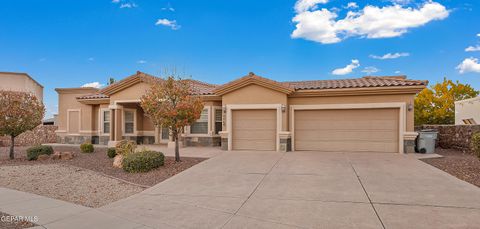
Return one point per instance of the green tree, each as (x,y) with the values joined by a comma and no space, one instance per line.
(436,105)
(169,103)
(19,112)
(111,81)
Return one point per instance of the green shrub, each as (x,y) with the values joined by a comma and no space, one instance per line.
(35,151)
(476,144)
(125,147)
(87,147)
(143,161)
(111,152)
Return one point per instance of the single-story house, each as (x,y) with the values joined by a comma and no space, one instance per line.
(373,114)
(467,111)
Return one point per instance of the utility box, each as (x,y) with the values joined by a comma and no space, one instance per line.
(426,141)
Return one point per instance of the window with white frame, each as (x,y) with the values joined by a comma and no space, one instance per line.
(106,121)
(218,120)
(129,121)
(201,125)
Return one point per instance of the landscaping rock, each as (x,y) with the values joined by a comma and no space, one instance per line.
(56,155)
(67,155)
(43,157)
(118,161)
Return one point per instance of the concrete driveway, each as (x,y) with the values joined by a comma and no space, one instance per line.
(306,190)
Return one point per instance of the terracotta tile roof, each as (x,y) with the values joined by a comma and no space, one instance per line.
(201,88)
(94,96)
(367,81)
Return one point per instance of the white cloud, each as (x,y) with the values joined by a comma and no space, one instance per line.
(473,48)
(141,62)
(169,9)
(128,5)
(305,5)
(93,84)
(169,23)
(469,65)
(352,5)
(115,1)
(323,25)
(369,70)
(390,56)
(478,35)
(398,72)
(347,69)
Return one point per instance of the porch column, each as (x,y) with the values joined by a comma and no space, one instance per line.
(118,123)
(115,124)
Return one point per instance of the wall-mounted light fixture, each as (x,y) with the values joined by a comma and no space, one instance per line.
(224,109)
(410,107)
(284,108)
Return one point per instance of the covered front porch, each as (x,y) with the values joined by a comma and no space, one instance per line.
(127,120)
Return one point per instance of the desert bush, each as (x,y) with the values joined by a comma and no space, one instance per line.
(476,144)
(143,161)
(87,147)
(125,147)
(35,151)
(111,152)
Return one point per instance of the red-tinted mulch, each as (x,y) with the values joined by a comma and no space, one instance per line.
(462,165)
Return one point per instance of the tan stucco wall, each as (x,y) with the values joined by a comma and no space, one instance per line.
(20,82)
(67,100)
(255,94)
(467,109)
(406,98)
(135,92)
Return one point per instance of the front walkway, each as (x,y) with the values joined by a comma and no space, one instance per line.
(293,190)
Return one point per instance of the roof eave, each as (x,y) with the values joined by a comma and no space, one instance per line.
(359,91)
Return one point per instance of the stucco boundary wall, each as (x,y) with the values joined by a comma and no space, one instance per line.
(40,135)
(454,136)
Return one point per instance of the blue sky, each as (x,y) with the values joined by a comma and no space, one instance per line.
(71,43)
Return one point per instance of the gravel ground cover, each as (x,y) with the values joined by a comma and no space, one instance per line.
(462,165)
(65,182)
(88,179)
(99,162)
(5,223)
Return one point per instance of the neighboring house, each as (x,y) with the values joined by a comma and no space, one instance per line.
(16,81)
(467,112)
(372,114)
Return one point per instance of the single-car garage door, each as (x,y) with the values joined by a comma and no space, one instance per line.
(350,130)
(254,129)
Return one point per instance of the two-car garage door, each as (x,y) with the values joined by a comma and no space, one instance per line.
(347,130)
(330,130)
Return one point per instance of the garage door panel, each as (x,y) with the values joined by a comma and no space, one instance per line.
(347,125)
(340,146)
(255,134)
(255,124)
(254,129)
(348,130)
(359,135)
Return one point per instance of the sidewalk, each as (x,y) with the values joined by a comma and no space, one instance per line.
(52,213)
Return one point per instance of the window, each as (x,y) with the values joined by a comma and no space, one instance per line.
(469,121)
(165,133)
(218,120)
(201,125)
(106,122)
(129,119)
